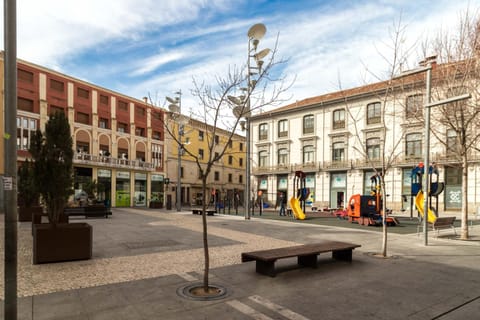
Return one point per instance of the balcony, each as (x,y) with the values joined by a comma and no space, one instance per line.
(337,165)
(109,162)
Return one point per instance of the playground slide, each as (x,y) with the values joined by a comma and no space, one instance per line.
(420,203)
(297,210)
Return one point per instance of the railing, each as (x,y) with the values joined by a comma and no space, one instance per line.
(85,158)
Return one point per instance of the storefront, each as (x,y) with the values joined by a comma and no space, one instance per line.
(338,189)
(122,189)
(140,197)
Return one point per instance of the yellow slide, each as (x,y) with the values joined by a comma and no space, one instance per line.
(420,203)
(297,210)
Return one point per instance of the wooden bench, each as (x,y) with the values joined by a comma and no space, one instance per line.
(88,211)
(208,212)
(306,255)
(439,224)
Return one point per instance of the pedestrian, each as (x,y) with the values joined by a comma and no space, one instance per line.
(282,205)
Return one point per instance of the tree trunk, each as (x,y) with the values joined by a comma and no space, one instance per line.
(384,212)
(464,226)
(205,236)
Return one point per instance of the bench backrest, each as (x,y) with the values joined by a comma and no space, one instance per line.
(443,221)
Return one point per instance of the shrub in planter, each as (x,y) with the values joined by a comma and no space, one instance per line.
(52,153)
(27,193)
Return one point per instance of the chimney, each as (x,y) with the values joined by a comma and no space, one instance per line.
(431,59)
(145,99)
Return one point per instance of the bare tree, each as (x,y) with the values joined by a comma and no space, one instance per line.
(219,112)
(458,126)
(387,115)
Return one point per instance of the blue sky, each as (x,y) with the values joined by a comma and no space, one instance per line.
(141,47)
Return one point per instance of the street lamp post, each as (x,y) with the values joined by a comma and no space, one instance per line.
(427,105)
(176,108)
(243,108)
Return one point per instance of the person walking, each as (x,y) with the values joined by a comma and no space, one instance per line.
(282,204)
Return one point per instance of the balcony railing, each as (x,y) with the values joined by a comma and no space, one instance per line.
(104,161)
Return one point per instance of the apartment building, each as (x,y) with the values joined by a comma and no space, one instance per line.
(328,137)
(118,140)
(226,182)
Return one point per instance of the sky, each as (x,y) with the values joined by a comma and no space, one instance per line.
(150,47)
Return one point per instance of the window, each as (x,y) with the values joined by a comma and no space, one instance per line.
(413,148)
(374,113)
(200,135)
(57,85)
(26,127)
(181,172)
(282,128)
(83,147)
(55,109)
(157,155)
(217,139)
(122,127)
(263,131)
(217,175)
(308,154)
(230,177)
(414,106)
(103,123)
(104,99)
(282,156)
(451,141)
(83,93)
(139,111)
(25,104)
(140,132)
(217,156)
(338,151)
(262,158)
(200,154)
(240,178)
(230,160)
(240,162)
(83,118)
(339,119)
(122,105)
(156,135)
(373,148)
(25,76)
(308,124)
(230,144)
(241,146)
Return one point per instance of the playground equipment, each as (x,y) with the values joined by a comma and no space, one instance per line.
(367,209)
(302,194)
(436,188)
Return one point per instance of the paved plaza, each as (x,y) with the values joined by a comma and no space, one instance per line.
(142,257)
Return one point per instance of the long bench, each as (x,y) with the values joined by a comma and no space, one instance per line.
(208,212)
(306,255)
(88,211)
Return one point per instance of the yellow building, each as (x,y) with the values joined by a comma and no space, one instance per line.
(227,178)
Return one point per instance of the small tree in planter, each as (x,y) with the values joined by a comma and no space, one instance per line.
(53,172)
(27,193)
